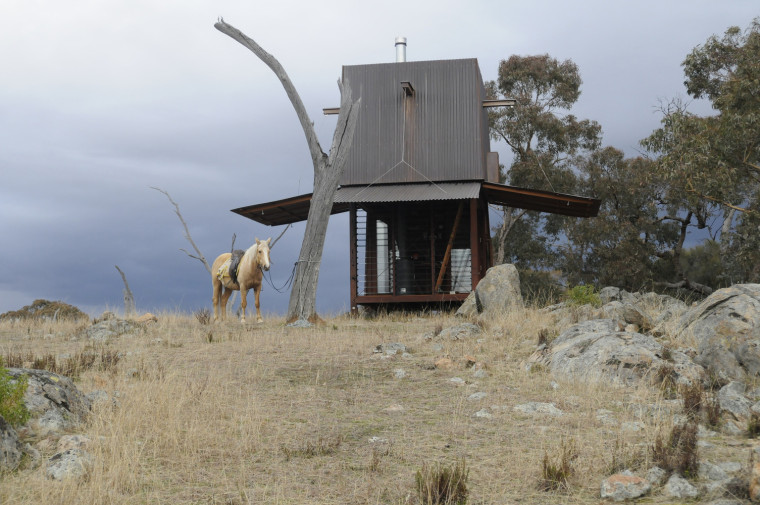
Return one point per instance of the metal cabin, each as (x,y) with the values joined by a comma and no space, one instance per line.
(417,184)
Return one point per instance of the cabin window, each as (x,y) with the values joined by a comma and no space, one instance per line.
(413,248)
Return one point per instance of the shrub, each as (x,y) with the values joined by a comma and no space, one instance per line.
(12,407)
(441,485)
(583,295)
(203,316)
(679,452)
(46,310)
(712,410)
(555,476)
(692,400)
(753,426)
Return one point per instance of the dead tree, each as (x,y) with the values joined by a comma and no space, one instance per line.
(129,300)
(327,172)
(200,256)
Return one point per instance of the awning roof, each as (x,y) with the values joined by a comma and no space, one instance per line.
(542,201)
(294,209)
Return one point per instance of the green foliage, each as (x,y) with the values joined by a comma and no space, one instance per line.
(442,485)
(583,295)
(540,288)
(45,309)
(12,406)
(704,264)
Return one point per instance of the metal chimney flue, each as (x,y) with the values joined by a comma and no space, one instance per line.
(400,49)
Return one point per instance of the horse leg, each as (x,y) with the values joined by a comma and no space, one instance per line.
(256,293)
(215,298)
(225,296)
(243,303)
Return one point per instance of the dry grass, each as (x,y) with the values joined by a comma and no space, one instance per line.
(233,414)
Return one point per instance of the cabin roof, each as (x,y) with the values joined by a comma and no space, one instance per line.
(295,209)
(418,121)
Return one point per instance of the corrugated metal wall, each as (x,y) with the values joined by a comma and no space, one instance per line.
(439,134)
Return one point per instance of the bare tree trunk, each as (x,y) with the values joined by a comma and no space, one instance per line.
(510,217)
(129,300)
(327,173)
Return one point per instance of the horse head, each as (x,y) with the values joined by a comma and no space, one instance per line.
(262,253)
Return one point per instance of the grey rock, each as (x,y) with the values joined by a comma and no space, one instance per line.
(589,351)
(719,362)
(477,396)
(70,464)
(712,472)
(11,449)
(538,409)
(460,332)
(483,414)
(728,318)
(609,294)
(399,373)
(678,487)
(731,399)
(53,400)
(390,348)
(97,396)
(300,323)
(656,476)
(586,327)
(111,328)
(624,486)
(627,313)
(496,293)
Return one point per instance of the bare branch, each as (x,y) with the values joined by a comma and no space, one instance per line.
(277,68)
(280,236)
(200,256)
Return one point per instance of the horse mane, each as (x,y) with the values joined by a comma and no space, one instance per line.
(250,254)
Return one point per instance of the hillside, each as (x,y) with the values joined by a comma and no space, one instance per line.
(185,412)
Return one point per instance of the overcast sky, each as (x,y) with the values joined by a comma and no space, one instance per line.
(99,101)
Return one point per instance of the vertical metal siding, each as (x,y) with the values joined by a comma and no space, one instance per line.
(444,134)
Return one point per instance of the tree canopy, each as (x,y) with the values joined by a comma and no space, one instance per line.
(699,173)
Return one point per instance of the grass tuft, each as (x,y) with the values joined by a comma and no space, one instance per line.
(442,485)
(555,475)
(678,453)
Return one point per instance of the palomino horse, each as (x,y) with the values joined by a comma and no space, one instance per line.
(250,273)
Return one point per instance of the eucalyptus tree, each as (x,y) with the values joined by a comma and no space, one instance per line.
(712,163)
(544,139)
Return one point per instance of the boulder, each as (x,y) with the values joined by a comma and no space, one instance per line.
(609,294)
(627,313)
(678,487)
(624,486)
(53,400)
(70,464)
(594,351)
(496,293)
(459,332)
(732,399)
(111,328)
(729,319)
(11,448)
